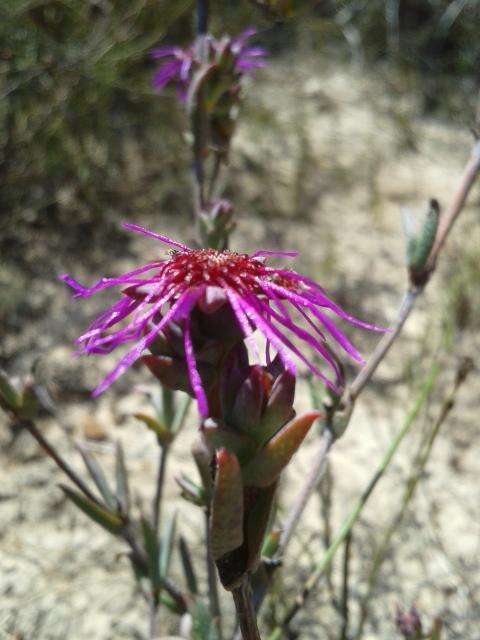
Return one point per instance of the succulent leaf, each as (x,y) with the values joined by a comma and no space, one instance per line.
(267,465)
(165,437)
(96,512)
(226,524)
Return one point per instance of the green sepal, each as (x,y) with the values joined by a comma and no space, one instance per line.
(226,522)
(268,464)
(96,512)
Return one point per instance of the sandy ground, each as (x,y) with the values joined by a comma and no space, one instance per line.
(327,170)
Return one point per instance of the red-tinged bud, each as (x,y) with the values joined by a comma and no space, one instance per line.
(249,404)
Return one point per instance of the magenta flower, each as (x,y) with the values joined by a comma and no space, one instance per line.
(275,302)
(179,64)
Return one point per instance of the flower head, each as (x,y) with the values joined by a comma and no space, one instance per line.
(291,311)
(409,623)
(178,65)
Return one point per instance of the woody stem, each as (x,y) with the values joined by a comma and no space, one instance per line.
(247,618)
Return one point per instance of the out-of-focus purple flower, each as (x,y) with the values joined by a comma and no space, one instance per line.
(290,310)
(178,65)
(409,623)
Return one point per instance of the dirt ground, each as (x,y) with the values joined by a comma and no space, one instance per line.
(326,171)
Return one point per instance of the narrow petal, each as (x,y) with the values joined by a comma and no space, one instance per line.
(278,338)
(166,73)
(289,324)
(104,283)
(268,331)
(276,254)
(181,307)
(243,321)
(193,374)
(146,232)
(162,52)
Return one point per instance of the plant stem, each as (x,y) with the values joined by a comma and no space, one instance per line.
(57,458)
(203,13)
(313,478)
(410,488)
(383,346)
(127,534)
(247,619)
(467,181)
(351,519)
(448,219)
(214,600)
(344,608)
(157,501)
(153,619)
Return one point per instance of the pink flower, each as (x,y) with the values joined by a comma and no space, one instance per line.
(282,305)
(179,64)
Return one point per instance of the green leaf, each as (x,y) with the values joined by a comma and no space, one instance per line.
(270,545)
(191,491)
(99,514)
(426,238)
(29,402)
(268,464)
(220,436)
(8,393)
(121,474)
(181,411)
(226,524)
(167,407)
(165,437)
(166,547)
(96,472)
(257,520)
(171,604)
(204,626)
(151,547)
(187,566)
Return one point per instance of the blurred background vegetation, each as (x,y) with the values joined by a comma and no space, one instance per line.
(83,138)
(76,103)
(86,143)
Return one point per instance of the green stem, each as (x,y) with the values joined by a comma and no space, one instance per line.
(157,501)
(410,488)
(351,519)
(345,611)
